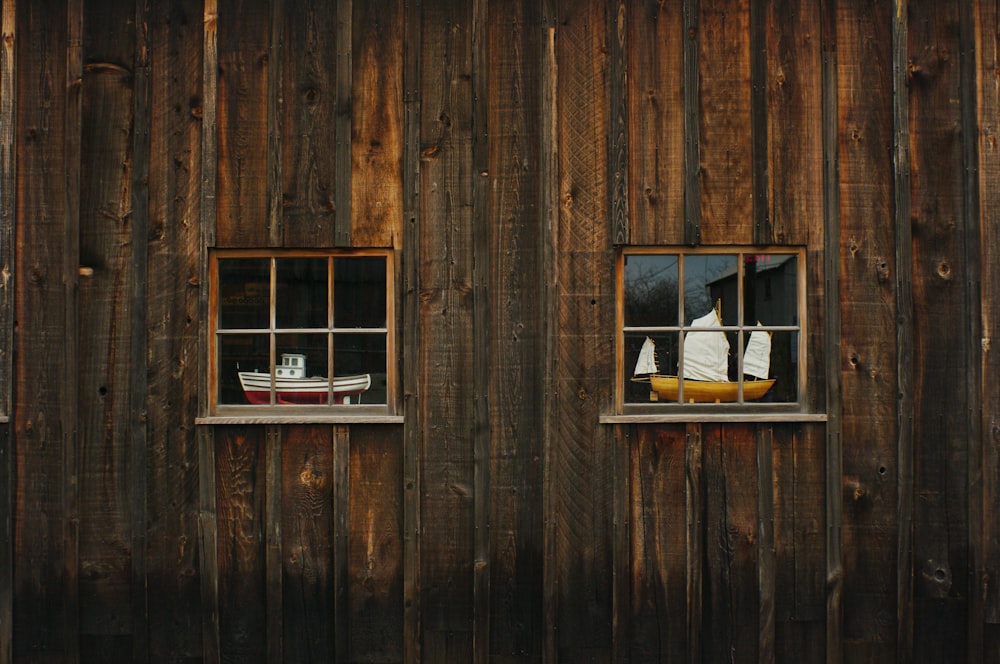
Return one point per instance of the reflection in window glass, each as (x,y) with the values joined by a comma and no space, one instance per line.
(244,293)
(739,340)
(359,292)
(301,297)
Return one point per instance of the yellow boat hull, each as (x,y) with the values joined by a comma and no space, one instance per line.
(698,391)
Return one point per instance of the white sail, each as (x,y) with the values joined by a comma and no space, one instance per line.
(757,358)
(647,358)
(706,353)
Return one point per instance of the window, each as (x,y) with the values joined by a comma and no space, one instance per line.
(310,329)
(730,320)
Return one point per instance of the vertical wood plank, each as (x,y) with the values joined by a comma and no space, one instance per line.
(342,121)
(584,307)
(274,551)
(446,319)
(732,600)
(172,465)
(618,129)
(107,264)
(311,528)
(902,205)
(654,62)
(242,78)
(763,232)
(275,94)
(241,489)
(692,123)
(695,510)
(377,123)
(657,506)
(411,362)
(481,364)
(832,352)
(868,331)
(309,126)
(375,545)
(941,572)
(766,557)
(137,442)
(516,319)
(724,88)
(341,532)
(8,187)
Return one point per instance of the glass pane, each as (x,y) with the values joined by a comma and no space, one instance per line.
(770,286)
(664,346)
(301,371)
(710,280)
(359,292)
(244,291)
(301,300)
(650,290)
(357,355)
(784,367)
(244,353)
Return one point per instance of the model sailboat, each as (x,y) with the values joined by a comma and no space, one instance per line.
(706,366)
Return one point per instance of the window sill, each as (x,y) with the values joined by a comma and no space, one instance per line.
(293,415)
(694,416)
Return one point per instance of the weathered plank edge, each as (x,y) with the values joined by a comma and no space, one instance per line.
(904,332)
(621,559)
(692,108)
(275,104)
(341,510)
(8,175)
(342,126)
(969,91)
(411,318)
(138,342)
(481,266)
(762,226)
(272,545)
(831,334)
(618,124)
(71,278)
(207,525)
(695,535)
(766,557)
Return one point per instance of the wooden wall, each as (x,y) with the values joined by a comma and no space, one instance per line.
(504,149)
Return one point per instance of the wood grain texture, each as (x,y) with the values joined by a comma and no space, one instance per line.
(308,515)
(39,548)
(308,123)
(657,509)
(515,354)
(988,53)
(654,64)
(105,294)
(732,597)
(8,188)
(582,353)
(724,102)
(240,485)
(868,311)
(446,321)
(377,124)
(242,175)
(172,569)
(375,545)
(941,556)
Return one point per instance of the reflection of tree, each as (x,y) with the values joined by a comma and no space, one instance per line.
(650,298)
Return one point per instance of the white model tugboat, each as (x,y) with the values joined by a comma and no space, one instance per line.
(293,387)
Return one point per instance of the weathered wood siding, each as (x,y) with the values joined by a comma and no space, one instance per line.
(504,149)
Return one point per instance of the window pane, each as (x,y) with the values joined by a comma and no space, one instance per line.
(301,369)
(244,291)
(650,290)
(247,353)
(301,300)
(708,280)
(359,292)
(784,367)
(770,287)
(360,354)
(665,355)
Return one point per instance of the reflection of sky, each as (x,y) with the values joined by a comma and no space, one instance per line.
(699,271)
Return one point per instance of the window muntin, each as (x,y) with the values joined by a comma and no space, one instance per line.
(663,291)
(310,329)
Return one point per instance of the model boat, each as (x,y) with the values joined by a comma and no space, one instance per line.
(706,366)
(293,387)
